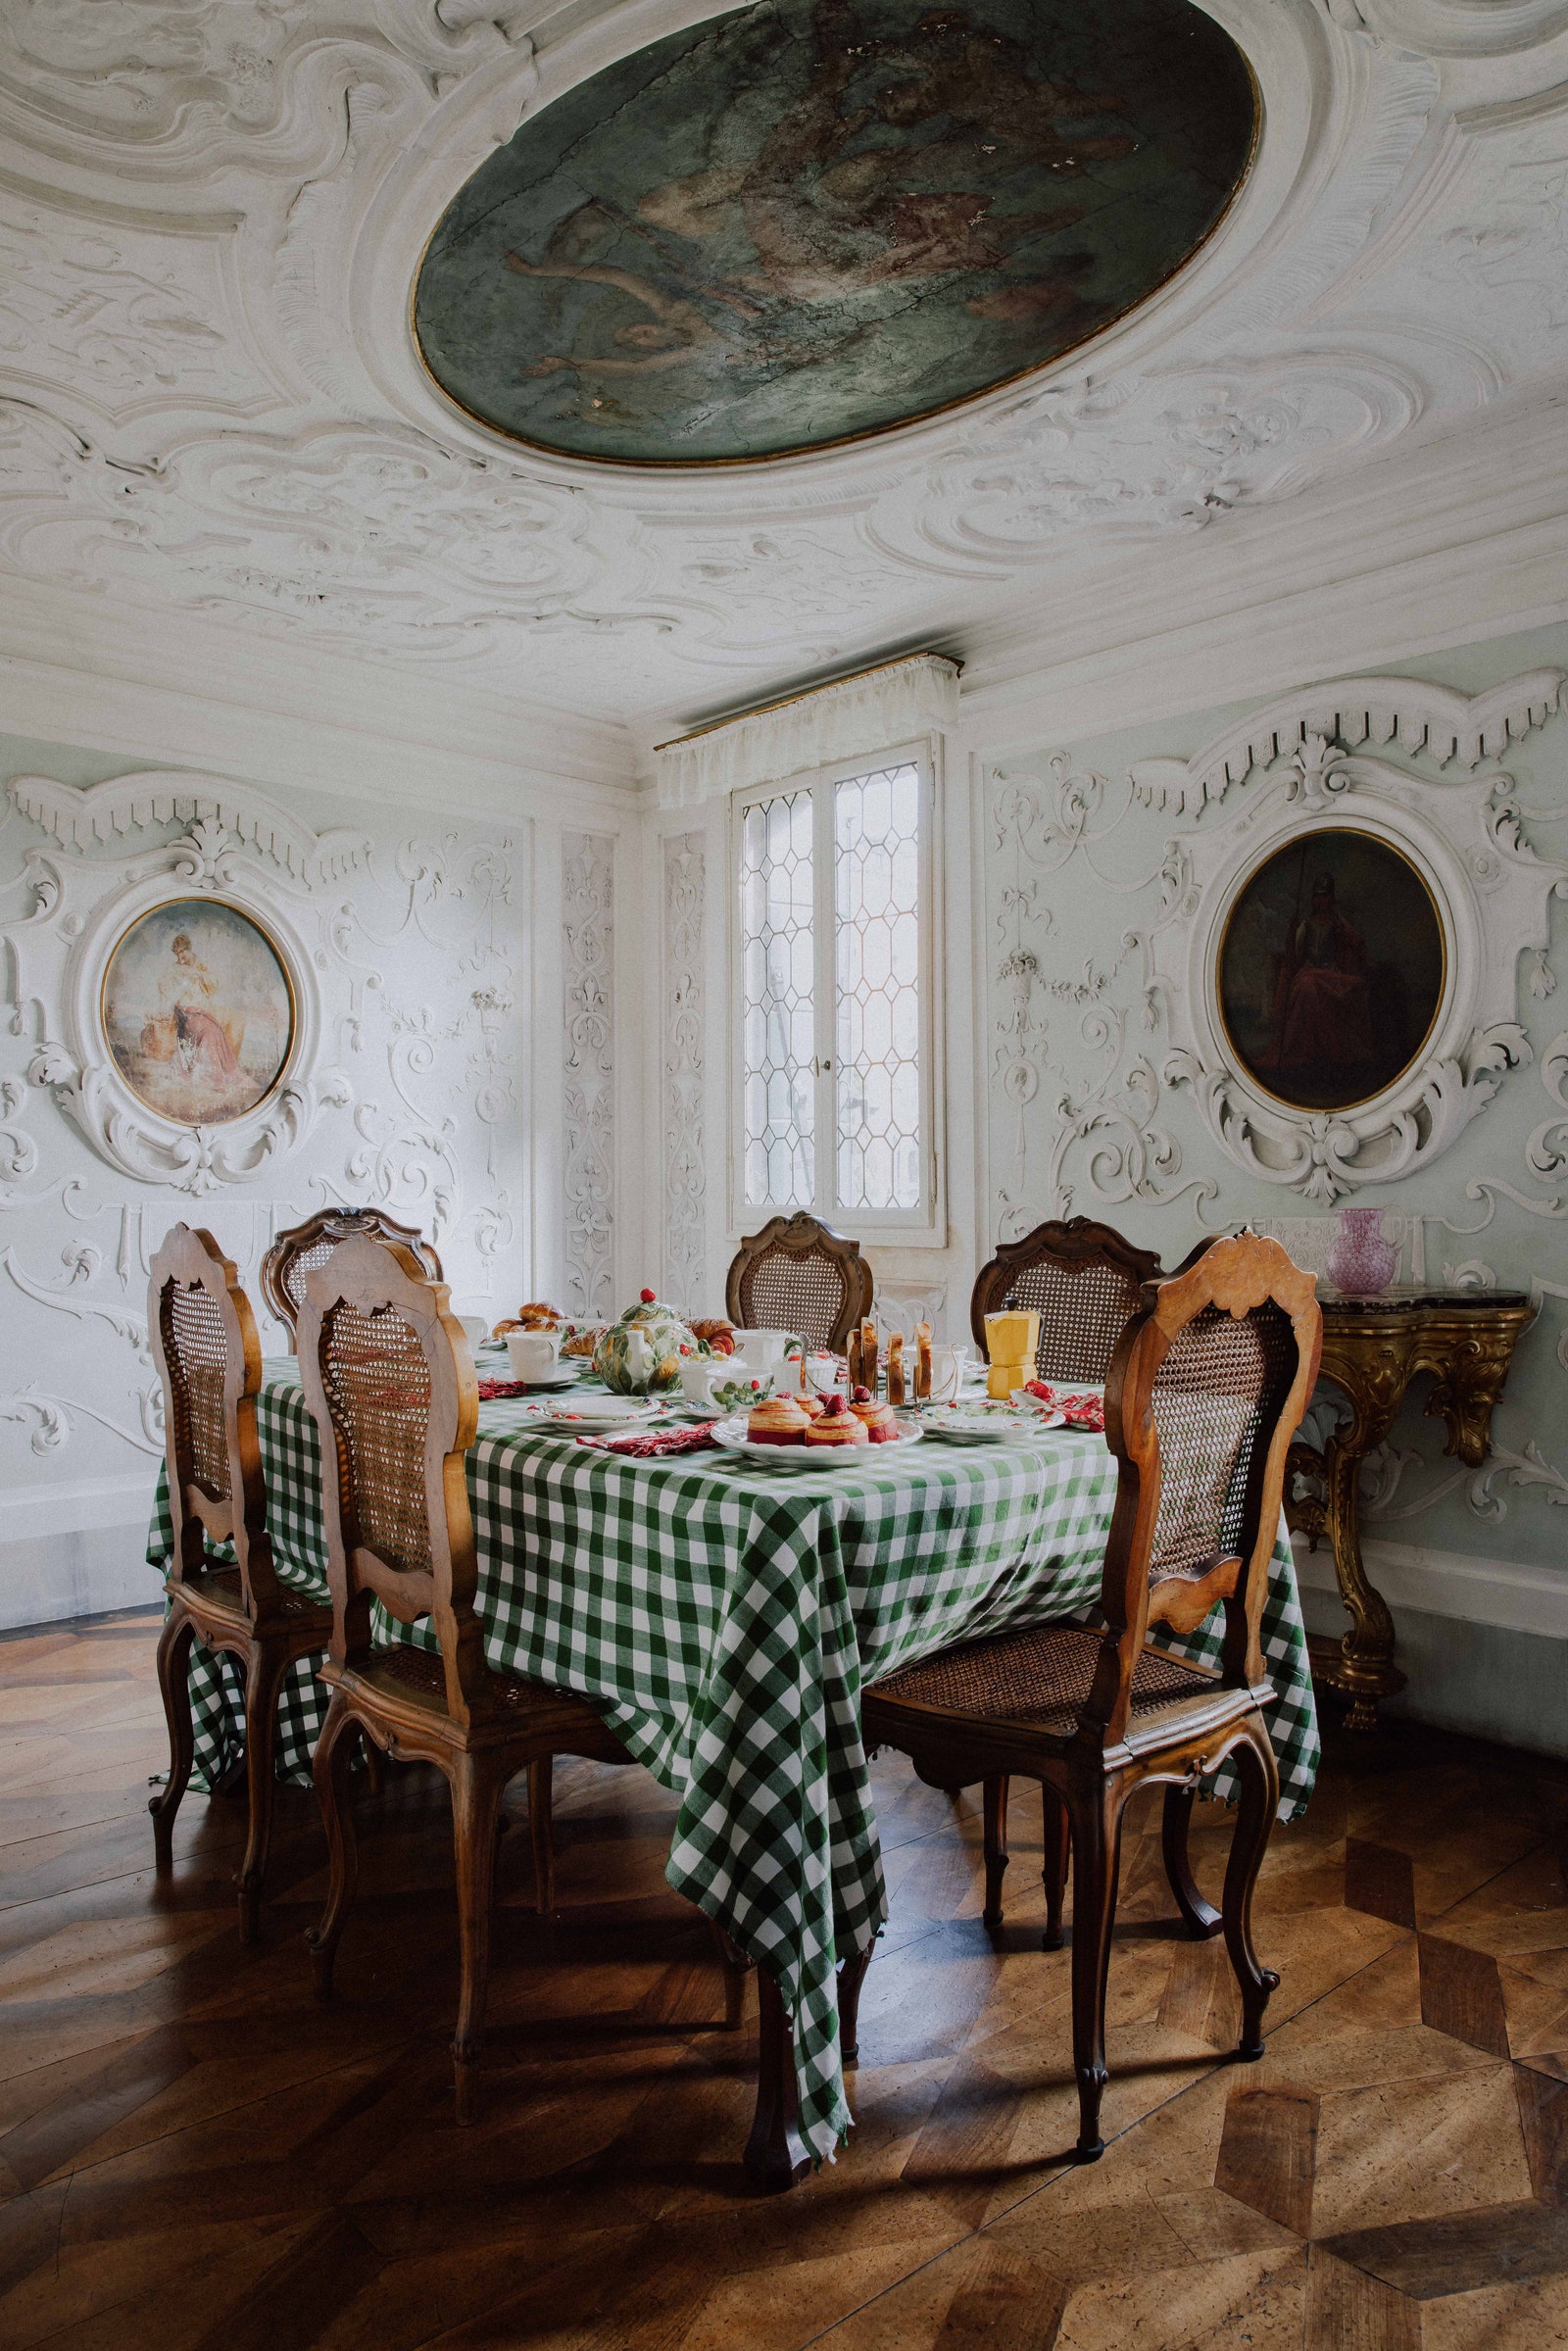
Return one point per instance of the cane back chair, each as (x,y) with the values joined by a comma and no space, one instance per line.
(210,1361)
(1081,1278)
(797,1274)
(1206,1388)
(390,1381)
(297,1252)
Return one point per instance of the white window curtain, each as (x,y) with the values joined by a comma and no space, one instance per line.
(854,717)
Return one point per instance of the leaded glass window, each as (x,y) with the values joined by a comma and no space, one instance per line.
(834,1081)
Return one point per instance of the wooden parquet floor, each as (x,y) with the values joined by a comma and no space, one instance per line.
(193,2157)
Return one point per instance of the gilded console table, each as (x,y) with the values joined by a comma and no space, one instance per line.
(1373,1348)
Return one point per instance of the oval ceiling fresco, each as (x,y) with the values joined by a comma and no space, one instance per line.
(812,220)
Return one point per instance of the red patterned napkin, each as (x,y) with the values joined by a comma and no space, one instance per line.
(654,1445)
(491,1390)
(1079,1411)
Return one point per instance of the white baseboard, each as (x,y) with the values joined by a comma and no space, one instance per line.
(75,1550)
(1506,1593)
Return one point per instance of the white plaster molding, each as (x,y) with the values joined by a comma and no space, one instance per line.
(852,717)
(214,216)
(240,850)
(100,815)
(1493,893)
(1439,722)
(588,1098)
(1453,28)
(685,954)
(1475,1590)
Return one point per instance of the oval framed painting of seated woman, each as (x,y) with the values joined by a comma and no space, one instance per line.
(1332,968)
(198,1012)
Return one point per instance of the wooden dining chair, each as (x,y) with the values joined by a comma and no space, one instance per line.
(1083,1279)
(390,1381)
(797,1274)
(1206,1388)
(208,1359)
(297,1252)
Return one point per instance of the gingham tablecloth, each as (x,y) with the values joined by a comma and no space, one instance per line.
(728,1617)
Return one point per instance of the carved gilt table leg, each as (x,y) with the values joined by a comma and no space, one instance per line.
(1371,1358)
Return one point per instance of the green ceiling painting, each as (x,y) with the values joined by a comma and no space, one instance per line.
(812,220)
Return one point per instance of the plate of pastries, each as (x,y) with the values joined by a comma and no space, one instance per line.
(813,1432)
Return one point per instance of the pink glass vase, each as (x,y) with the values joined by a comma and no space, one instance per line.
(1362,1262)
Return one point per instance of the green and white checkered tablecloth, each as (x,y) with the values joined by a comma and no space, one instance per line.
(728,1617)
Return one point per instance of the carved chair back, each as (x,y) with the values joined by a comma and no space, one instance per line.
(1206,1389)
(208,1359)
(1081,1278)
(797,1274)
(295,1253)
(390,1378)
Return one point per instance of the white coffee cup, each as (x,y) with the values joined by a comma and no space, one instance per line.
(766,1350)
(946,1373)
(475,1328)
(533,1355)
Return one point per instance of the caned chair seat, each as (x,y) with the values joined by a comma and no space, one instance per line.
(401,1673)
(1037,1681)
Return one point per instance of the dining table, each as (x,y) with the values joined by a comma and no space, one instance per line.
(725,1616)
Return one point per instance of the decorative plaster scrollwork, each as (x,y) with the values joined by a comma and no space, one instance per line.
(685,1179)
(587,936)
(1320,724)
(1493,893)
(244,850)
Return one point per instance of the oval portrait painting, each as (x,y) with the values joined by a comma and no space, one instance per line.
(198,1012)
(1331,970)
(806,220)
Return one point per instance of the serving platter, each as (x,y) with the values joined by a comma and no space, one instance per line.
(730,1436)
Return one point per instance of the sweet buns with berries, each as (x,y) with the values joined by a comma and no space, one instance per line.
(837,1426)
(878,1419)
(778,1420)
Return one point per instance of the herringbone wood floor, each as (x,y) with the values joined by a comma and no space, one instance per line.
(194,2158)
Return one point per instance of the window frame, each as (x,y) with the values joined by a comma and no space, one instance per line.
(925,1224)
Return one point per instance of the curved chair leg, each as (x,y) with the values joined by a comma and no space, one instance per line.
(1096,1868)
(174,1680)
(334,1753)
(1057,1851)
(996,1835)
(541,1832)
(374,1768)
(1199,1917)
(477,1784)
(1254,1823)
(265,1669)
(851,1976)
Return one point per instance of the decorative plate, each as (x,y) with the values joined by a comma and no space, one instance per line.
(988,1421)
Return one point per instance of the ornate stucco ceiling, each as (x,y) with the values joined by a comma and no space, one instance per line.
(211,214)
